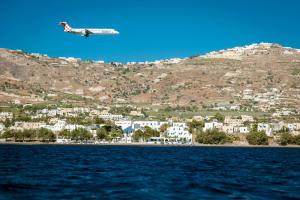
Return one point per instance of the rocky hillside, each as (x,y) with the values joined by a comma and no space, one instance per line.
(259,74)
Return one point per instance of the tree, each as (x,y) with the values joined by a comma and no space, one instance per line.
(297,139)
(7,134)
(22,117)
(80,134)
(8,123)
(19,135)
(286,138)
(65,134)
(219,117)
(102,133)
(29,134)
(149,132)
(82,120)
(137,135)
(163,128)
(257,138)
(213,136)
(195,125)
(84,134)
(116,133)
(144,113)
(112,130)
(98,120)
(45,134)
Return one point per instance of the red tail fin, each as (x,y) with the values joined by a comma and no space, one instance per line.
(66,26)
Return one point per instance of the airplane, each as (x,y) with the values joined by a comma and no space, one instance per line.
(87,31)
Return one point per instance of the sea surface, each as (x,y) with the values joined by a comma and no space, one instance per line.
(139,172)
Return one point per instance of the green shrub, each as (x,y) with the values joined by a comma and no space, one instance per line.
(213,136)
(80,134)
(219,117)
(137,135)
(286,138)
(195,125)
(102,134)
(257,138)
(297,139)
(146,134)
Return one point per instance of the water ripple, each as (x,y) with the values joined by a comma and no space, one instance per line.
(114,172)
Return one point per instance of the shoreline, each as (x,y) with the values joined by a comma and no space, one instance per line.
(153,145)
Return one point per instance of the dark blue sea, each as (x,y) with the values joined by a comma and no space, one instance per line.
(136,172)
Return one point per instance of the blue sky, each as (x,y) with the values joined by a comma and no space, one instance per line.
(149,30)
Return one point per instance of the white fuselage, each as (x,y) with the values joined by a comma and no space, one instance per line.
(93,31)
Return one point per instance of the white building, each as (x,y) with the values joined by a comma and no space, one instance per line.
(212,125)
(152,124)
(278,126)
(63,140)
(50,113)
(28,125)
(179,132)
(233,121)
(248,118)
(123,124)
(244,129)
(136,113)
(265,128)
(5,115)
(57,127)
(228,129)
(109,116)
(179,124)
(293,126)
(72,127)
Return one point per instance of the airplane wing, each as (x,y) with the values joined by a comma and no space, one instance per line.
(87,32)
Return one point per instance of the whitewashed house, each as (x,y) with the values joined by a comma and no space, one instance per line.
(229,129)
(52,113)
(247,118)
(123,123)
(232,121)
(179,132)
(152,124)
(72,127)
(265,128)
(57,127)
(293,126)
(28,125)
(277,126)
(179,124)
(212,125)
(244,129)
(62,140)
(109,116)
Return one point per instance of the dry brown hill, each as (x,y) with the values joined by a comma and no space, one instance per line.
(255,74)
